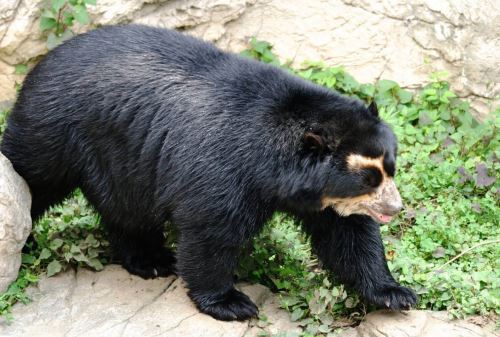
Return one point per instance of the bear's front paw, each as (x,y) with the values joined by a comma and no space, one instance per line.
(232,306)
(393,297)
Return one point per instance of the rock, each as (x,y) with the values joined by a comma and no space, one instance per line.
(114,303)
(15,221)
(348,332)
(396,39)
(399,40)
(416,324)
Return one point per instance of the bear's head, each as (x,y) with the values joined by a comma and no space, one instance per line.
(361,149)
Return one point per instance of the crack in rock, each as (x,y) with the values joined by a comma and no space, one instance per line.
(175,326)
(127,321)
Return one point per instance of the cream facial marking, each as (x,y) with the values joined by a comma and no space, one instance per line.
(346,206)
(381,204)
(356,162)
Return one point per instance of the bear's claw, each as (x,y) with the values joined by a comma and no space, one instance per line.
(393,298)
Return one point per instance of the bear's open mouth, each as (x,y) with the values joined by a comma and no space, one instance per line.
(379,217)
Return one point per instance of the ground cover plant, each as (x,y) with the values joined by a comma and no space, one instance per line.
(444,245)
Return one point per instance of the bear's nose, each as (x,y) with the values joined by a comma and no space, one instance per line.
(392,208)
(391,203)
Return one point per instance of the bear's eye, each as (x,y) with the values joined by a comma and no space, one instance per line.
(372,176)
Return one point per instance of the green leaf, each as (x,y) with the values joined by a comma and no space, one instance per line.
(95,263)
(27,259)
(306,73)
(90,2)
(350,302)
(47,23)
(55,244)
(261,46)
(386,85)
(68,34)
(367,89)
(80,258)
(57,4)
(324,328)
(53,41)
(31,277)
(91,240)
(247,53)
(45,254)
(53,268)
(330,82)
(20,69)
(68,18)
(81,14)
(335,292)
(350,82)
(297,314)
(405,96)
(75,249)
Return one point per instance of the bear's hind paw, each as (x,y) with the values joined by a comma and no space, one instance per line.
(160,264)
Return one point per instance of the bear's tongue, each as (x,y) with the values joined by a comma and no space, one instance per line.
(384,218)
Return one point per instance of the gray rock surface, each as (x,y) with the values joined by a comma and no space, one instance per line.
(15,221)
(418,324)
(394,39)
(114,303)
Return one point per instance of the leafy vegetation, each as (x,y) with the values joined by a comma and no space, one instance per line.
(59,16)
(3,121)
(444,245)
(69,235)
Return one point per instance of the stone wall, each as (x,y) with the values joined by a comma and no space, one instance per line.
(393,39)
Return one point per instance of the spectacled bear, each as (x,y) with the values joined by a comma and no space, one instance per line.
(153,125)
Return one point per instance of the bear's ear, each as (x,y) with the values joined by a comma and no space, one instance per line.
(314,140)
(373,109)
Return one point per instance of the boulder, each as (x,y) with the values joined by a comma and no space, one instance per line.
(114,303)
(15,221)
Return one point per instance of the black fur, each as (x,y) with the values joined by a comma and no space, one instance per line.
(154,125)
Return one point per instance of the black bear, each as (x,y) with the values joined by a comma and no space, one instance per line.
(153,125)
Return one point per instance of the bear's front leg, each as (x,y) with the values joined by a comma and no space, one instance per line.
(352,248)
(208,269)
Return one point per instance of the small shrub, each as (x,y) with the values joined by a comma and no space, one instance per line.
(58,18)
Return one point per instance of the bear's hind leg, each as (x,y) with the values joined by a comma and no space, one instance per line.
(141,250)
(160,263)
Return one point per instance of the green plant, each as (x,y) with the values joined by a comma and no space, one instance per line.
(59,16)
(261,50)
(69,235)
(3,121)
